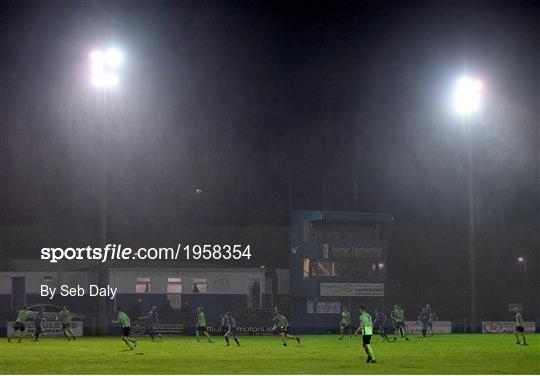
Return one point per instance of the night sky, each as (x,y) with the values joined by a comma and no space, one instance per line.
(239,98)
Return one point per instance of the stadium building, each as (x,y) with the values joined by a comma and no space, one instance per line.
(176,291)
(338,259)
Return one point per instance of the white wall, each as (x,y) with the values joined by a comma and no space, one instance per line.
(219,281)
(34,280)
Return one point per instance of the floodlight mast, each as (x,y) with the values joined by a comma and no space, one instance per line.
(467,98)
(104,65)
(523,261)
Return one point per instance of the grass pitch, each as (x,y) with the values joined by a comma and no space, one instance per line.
(317,354)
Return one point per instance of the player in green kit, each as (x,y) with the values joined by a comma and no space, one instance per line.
(201,325)
(125,321)
(283,325)
(520,327)
(345,323)
(366,327)
(19,324)
(398,315)
(65,316)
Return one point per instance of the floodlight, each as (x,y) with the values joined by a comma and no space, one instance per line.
(467,95)
(104,65)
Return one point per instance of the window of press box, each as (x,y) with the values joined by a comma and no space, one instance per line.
(200,286)
(310,268)
(143,285)
(174,285)
(349,269)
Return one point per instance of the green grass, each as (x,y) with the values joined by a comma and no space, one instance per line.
(321,354)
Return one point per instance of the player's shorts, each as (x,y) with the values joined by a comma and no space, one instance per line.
(346,326)
(19,326)
(66,325)
(366,339)
(201,329)
(283,330)
(126,330)
(520,329)
(151,328)
(379,329)
(399,324)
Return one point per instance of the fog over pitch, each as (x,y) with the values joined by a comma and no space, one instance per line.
(230,113)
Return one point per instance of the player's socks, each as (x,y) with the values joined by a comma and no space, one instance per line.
(298,339)
(237,342)
(227,340)
(371,353)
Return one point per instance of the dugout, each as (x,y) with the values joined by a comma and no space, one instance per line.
(337,259)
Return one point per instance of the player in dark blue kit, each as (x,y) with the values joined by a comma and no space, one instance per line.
(432,316)
(424,318)
(231,329)
(152,321)
(37,323)
(275,320)
(379,324)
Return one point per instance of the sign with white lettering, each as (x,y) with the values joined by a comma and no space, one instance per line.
(352,289)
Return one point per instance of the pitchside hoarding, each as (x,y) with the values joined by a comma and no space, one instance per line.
(505,326)
(441,327)
(352,289)
(244,330)
(50,328)
(323,307)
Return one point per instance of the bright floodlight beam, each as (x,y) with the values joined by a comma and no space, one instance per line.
(104,65)
(467,96)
